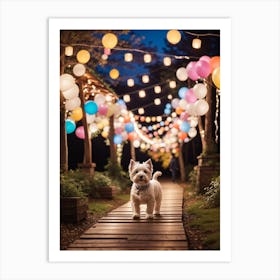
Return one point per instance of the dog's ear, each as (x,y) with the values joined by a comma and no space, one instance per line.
(131,165)
(150,164)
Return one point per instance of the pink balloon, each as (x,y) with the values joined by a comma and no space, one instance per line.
(190,96)
(107,51)
(205,58)
(203,68)
(184,116)
(191,71)
(80,132)
(102,109)
(118,130)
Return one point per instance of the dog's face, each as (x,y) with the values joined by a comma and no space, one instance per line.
(140,173)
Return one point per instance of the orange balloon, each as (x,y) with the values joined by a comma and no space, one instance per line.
(77,114)
(126,119)
(214,63)
(131,136)
(182,135)
(176,125)
(179,111)
(216,77)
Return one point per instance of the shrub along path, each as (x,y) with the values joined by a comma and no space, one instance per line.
(118,231)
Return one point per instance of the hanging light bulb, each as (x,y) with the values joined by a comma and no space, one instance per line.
(169,96)
(104,56)
(142,93)
(141,111)
(157,89)
(145,79)
(69,51)
(126,98)
(147,58)
(167,61)
(130,82)
(172,84)
(196,43)
(157,101)
(128,57)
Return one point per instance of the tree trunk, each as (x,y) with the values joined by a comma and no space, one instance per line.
(132,150)
(113,155)
(181,163)
(63,136)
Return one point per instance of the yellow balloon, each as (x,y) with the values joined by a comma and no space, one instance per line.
(83,56)
(216,77)
(114,74)
(100,125)
(104,134)
(173,36)
(77,114)
(110,111)
(109,40)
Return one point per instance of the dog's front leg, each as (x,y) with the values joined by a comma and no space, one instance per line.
(135,207)
(150,209)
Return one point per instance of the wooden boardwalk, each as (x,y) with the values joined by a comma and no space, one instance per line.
(118,231)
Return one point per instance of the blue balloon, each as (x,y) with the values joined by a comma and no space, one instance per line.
(185,126)
(150,128)
(70,126)
(118,139)
(168,106)
(167,111)
(91,107)
(121,102)
(182,92)
(129,127)
(161,123)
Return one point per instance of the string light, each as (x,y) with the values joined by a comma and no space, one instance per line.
(196,43)
(128,57)
(157,89)
(126,98)
(130,82)
(145,79)
(147,58)
(172,84)
(216,116)
(142,93)
(157,101)
(167,61)
(141,111)
(68,51)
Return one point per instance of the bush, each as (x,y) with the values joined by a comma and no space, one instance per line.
(70,187)
(212,193)
(101,180)
(192,177)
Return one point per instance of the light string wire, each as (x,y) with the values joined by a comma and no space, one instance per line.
(216,116)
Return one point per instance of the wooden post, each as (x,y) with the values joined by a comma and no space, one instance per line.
(181,163)
(113,155)
(132,150)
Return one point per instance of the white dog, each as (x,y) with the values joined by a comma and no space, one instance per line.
(145,189)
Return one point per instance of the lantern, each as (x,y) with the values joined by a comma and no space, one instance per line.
(77,114)
(67,81)
(157,89)
(172,84)
(114,74)
(147,58)
(167,61)
(128,57)
(145,79)
(173,36)
(130,82)
(142,93)
(109,40)
(79,70)
(126,98)
(83,56)
(68,51)
(196,43)
(72,92)
(141,111)
(157,101)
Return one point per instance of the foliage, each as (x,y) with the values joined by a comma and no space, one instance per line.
(101,180)
(161,156)
(192,177)
(212,193)
(70,187)
(118,176)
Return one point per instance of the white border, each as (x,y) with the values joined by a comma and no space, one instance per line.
(55,254)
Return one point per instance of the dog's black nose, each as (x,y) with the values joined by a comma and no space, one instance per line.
(141,177)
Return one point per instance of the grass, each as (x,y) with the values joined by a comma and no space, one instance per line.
(101,207)
(202,224)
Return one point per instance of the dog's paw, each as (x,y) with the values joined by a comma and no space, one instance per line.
(136,217)
(157,214)
(149,217)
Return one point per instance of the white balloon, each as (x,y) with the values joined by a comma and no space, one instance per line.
(193,121)
(192,132)
(136,143)
(201,107)
(190,109)
(79,70)
(72,92)
(66,82)
(73,103)
(90,118)
(200,91)
(175,103)
(183,104)
(99,99)
(181,74)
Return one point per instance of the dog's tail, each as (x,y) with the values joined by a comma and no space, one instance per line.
(156,174)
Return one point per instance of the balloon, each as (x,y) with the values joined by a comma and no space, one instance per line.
(99,99)
(185,126)
(114,74)
(129,127)
(167,111)
(80,132)
(192,132)
(179,110)
(191,109)
(93,128)
(102,109)
(109,40)
(118,139)
(104,134)
(90,118)
(121,102)
(201,107)
(205,58)
(193,121)
(124,135)
(184,116)
(182,135)
(173,36)
(73,103)
(107,51)
(131,136)
(67,81)
(77,114)
(190,97)
(79,70)
(181,74)
(110,111)
(83,56)
(191,71)
(183,104)
(200,91)
(118,130)
(182,92)
(216,77)
(203,68)
(168,106)
(71,92)
(214,63)
(70,126)
(175,103)
(91,107)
